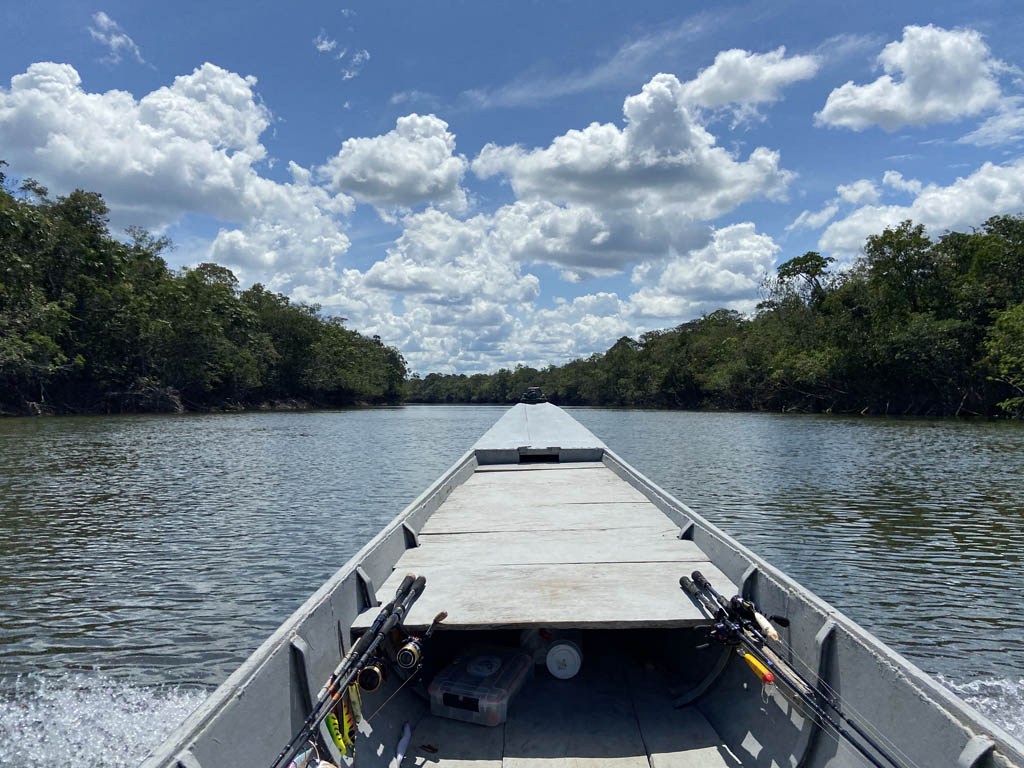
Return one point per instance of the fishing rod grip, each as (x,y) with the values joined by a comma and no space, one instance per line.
(699,580)
(411,596)
(404,586)
(363,643)
(389,625)
(687,583)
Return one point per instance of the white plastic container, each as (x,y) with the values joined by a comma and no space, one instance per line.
(564,659)
(478,686)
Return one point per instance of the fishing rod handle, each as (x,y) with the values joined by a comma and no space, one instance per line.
(699,580)
(406,603)
(407,582)
(688,584)
(704,584)
(403,589)
(414,592)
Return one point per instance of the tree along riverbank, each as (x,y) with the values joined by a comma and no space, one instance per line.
(91,325)
(916,327)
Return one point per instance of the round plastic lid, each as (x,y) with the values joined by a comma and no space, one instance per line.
(564,659)
(484,666)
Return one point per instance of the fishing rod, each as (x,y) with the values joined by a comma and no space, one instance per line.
(390,616)
(737,622)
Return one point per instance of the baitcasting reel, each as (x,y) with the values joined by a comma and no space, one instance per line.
(372,676)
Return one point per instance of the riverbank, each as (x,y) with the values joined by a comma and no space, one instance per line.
(172,403)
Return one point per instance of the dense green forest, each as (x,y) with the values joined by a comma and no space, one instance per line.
(916,327)
(90,324)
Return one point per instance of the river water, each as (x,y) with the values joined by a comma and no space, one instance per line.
(142,558)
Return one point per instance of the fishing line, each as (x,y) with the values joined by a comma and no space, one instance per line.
(389,698)
(821,717)
(838,703)
(735,625)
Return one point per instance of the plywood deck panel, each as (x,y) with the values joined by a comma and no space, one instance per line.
(540,466)
(457,745)
(571,486)
(578,547)
(524,515)
(568,479)
(538,547)
(586,595)
(675,738)
(586,722)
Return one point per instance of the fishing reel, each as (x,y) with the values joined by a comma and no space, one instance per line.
(410,654)
(725,632)
(372,676)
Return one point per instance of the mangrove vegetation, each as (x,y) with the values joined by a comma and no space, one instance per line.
(88,323)
(916,327)
(91,324)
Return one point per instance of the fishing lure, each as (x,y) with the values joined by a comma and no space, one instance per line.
(355,701)
(348,724)
(335,731)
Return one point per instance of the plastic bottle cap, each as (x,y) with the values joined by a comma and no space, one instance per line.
(564,659)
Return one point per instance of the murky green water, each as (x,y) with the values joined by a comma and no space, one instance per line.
(141,553)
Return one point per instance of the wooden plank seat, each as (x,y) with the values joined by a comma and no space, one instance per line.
(578,548)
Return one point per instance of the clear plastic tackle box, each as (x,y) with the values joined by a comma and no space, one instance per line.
(478,686)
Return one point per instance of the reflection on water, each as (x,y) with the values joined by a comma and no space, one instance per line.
(163,549)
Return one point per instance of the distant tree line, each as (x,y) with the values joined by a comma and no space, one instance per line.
(91,324)
(916,327)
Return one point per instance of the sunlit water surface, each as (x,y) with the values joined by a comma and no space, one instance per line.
(143,558)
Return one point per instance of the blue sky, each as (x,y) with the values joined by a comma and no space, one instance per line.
(486,184)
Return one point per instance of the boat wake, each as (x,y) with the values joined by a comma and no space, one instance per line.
(95,721)
(86,719)
(1000,700)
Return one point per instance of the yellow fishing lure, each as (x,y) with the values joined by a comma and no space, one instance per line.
(335,731)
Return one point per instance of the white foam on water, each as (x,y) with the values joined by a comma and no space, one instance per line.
(86,719)
(1000,700)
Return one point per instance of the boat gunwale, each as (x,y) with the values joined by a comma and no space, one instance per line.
(191,728)
(966,715)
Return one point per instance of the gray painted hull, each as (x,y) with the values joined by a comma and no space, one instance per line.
(247,720)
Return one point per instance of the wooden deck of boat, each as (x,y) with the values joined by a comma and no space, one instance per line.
(550,545)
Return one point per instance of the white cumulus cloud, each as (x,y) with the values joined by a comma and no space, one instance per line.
(1006,126)
(894,180)
(814,219)
(932,75)
(989,191)
(599,197)
(411,165)
(192,146)
(742,77)
(858,192)
(724,273)
(354,65)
